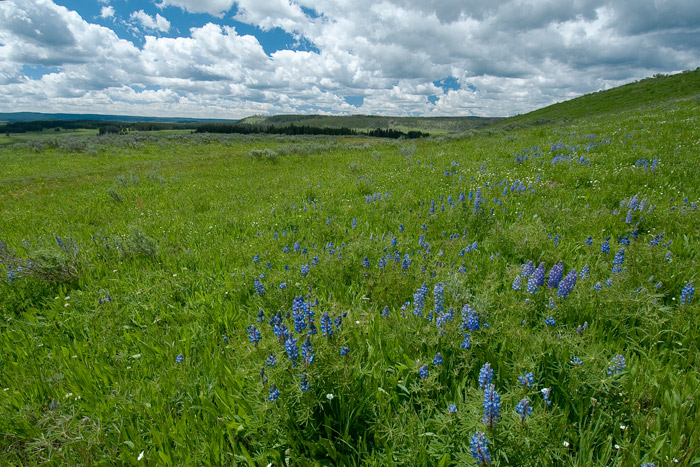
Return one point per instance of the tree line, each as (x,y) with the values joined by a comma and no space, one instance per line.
(103,126)
(247,129)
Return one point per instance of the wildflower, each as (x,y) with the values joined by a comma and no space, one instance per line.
(271,360)
(609,282)
(555,275)
(263,378)
(580,329)
(545,394)
(617,365)
(253,334)
(344,350)
(527,269)
(261,316)
(477,201)
(485,375)
(439,294)
(467,343)
(179,358)
(532,284)
(585,271)
(274,393)
(492,406)
(326,325)
(576,361)
(259,287)
(452,408)
(385,311)
(365,262)
(305,386)
(687,293)
(283,285)
(567,284)
(479,448)
(470,319)
(256,258)
(528,379)
(290,346)
(605,247)
(517,283)
(307,351)
(589,240)
(329,396)
(423,371)
(618,261)
(418,300)
(538,275)
(304,269)
(524,408)
(438,359)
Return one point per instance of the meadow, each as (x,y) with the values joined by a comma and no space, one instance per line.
(521,294)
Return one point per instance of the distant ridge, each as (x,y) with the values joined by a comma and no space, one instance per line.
(38,116)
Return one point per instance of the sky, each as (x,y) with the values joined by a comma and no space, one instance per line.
(235,58)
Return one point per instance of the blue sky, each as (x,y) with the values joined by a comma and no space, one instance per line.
(233,58)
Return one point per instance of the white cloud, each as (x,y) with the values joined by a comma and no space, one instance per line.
(107,12)
(213,7)
(157,23)
(516,54)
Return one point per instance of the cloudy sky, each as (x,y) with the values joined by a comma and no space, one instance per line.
(233,58)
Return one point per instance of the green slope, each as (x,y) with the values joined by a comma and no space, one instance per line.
(649,92)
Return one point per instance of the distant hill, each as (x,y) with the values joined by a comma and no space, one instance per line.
(371,122)
(649,92)
(37,116)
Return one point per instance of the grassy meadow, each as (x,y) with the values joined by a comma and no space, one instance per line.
(197,299)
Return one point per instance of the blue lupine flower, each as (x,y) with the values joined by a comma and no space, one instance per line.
(485,375)
(470,319)
(618,261)
(609,282)
(439,294)
(354,223)
(261,316)
(538,275)
(580,329)
(297,247)
(385,311)
(545,394)
(585,271)
(263,378)
(527,269)
(467,343)
(271,360)
(305,386)
(253,334)
(338,321)
(438,359)
(259,287)
(576,361)
(617,365)
(555,275)
(344,351)
(418,299)
(307,351)
(597,286)
(589,240)
(648,464)
(256,258)
(687,293)
(532,284)
(423,371)
(567,284)
(524,408)
(365,262)
(628,218)
(605,247)
(479,448)
(517,283)
(452,408)
(477,201)
(528,379)
(290,346)
(274,393)
(283,285)
(179,358)
(492,406)
(304,269)
(326,325)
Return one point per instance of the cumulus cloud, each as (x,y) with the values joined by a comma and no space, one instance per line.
(157,23)
(503,56)
(107,12)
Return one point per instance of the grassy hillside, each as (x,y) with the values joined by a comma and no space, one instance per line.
(200,299)
(647,93)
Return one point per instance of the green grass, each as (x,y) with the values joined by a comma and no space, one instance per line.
(139,248)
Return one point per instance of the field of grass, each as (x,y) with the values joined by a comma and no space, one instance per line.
(196,299)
